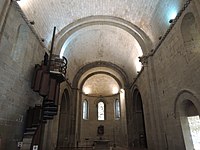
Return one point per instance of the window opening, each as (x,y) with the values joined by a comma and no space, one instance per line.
(85,110)
(101,111)
(117,109)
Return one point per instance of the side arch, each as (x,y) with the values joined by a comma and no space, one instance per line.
(137,138)
(63,139)
(183,96)
(187,108)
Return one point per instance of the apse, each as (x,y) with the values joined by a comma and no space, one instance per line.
(100,85)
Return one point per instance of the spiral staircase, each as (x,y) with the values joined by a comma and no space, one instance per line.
(46,81)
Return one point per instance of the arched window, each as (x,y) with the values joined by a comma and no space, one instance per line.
(190,125)
(101,110)
(191,36)
(187,110)
(20,44)
(85,110)
(117,109)
(188,28)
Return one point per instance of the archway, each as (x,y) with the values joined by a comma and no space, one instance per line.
(190,123)
(136,32)
(139,133)
(64,121)
(101,81)
(187,109)
(99,108)
(103,39)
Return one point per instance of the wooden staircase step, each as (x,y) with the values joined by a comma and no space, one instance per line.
(50,113)
(31,129)
(29,133)
(45,117)
(50,108)
(27,140)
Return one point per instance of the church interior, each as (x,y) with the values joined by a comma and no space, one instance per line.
(99,75)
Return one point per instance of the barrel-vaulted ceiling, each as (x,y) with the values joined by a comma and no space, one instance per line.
(151,16)
(115,31)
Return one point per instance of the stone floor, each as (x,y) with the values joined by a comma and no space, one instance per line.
(99,148)
(121,148)
(91,148)
(117,148)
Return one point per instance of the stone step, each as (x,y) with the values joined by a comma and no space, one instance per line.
(31,129)
(50,113)
(26,146)
(49,108)
(45,117)
(27,140)
(29,133)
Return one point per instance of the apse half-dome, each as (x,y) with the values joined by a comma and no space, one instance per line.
(100,85)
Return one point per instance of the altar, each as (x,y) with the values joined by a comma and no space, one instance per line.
(101,143)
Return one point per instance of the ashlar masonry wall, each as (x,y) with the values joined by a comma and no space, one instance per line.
(174,68)
(20,50)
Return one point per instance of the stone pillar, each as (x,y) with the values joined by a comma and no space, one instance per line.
(156,120)
(75,117)
(128,97)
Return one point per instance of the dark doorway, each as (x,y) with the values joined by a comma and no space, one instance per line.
(64,121)
(139,134)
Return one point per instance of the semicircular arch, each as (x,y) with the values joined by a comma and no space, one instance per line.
(185,95)
(63,36)
(121,76)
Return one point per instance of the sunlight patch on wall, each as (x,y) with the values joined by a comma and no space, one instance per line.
(115,90)
(172,13)
(86,90)
(62,51)
(22,3)
(122,95)
(64,47)
(194,123)
(138,64)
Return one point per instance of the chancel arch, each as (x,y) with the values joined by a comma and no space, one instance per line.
(102,84)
